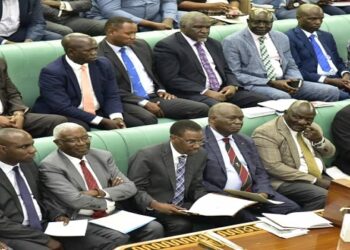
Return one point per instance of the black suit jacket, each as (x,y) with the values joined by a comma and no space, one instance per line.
(11,214)
(180,70)
(144,52)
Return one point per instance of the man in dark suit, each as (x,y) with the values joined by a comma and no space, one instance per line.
(14,113)
(81,86)
(23,21)
(141,108)
(89,185)
(158,172)
(321,63)
(192,66)
(220,173)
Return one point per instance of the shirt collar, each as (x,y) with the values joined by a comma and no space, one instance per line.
(290,130)
(190,40)
(256,37)
(116,48)
(219,136)
(175,153)
(74,160)
(75,66)
(6,167)
(308,34)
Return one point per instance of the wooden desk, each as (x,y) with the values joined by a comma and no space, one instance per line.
(250,237)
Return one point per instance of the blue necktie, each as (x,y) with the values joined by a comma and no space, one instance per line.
(321,58)
(33,217)
(134,77)
(180,181)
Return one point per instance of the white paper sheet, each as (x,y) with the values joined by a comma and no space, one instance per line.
(73,229)
(336,173)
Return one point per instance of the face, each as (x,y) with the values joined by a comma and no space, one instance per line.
(20,149)
(311,20)
(122,36)
(260,24)
(199,29)
(299,118)
(74,142)
(228,122)
(189,143)
(85,50)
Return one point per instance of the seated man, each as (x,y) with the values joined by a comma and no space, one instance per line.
(291,148)
(191,65)
(262,62)
(143,96)
(149,15)
(315,51)
(233,162)
(14,114)
(88,184)
(81,86)
(23,21)
(64,17)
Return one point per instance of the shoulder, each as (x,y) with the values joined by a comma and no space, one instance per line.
(278,35)
(239,35)
(171,39)
(99,153)
(53,159)
(269,127)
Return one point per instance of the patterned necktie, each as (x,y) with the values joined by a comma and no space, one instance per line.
(180,181)
(92,184)
(265,57)
(308,156)
(137,87)
(86,89)
(321,58)
(241,170)
(34,221)
(213,81)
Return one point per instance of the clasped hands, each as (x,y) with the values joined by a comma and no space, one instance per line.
(14,121)
(223,95)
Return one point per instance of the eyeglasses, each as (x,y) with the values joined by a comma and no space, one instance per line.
(84,138)
(193,142)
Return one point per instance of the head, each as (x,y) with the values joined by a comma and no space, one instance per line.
(225,118)
(195,25)
(310,17)
(72,139)
(80,48)
(120,31)
(260,21)
(186,136)
(16,146)
(300,115)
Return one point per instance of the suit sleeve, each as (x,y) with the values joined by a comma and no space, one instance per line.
(80,5)
(37,25)
(168,8)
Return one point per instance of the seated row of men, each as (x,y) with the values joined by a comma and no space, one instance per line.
(123,89)
(76,182)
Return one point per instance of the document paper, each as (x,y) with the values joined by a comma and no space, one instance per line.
(73,229)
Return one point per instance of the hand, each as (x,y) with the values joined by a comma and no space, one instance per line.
(161,26)
(346,76)
(233,13)
(228,91)
(215,95)
(119,122)
(6,122)
(283,85)
(3,246)
(168,22)
(166,208)
(18,120)
(323,183)
(312,134)
(219,7)
(324,2)
(115,182)
(110,206)
(112,124)
(54,244)
(154,108)
(52,3)
(342,83)
(98,193)
(63,218)
(166,95)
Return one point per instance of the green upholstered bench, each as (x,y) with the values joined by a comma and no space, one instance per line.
(124,143)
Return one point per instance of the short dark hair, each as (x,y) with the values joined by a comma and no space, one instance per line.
(116,22)
(179,127)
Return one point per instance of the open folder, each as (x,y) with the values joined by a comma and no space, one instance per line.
(251,196)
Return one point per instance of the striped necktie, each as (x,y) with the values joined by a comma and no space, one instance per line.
(265,57)
(180,181)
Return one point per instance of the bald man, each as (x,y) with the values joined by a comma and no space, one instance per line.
(81,86)
(291,148)
(327,68)
(262,62)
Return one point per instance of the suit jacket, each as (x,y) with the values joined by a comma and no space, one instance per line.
(180,70)
(305,56)
(65,183)
(31,19)
(215,176)
(144,52)
(279,152)
(244,59)
(78,6)
(153,173)
(11,213)
(60,92)
(10,97)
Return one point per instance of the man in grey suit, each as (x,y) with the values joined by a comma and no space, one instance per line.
(291,148)
(262,62)
(88,183)
(169,176)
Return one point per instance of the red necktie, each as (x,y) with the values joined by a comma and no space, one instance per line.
(241,170)
(92,184)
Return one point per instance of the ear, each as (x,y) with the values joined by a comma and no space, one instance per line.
(57,142)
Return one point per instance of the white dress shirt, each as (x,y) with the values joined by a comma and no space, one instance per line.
(9,22)
(176,156)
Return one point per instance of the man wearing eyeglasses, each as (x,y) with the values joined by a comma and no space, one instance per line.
(89,184)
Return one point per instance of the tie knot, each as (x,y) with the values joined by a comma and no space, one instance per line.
(312,37)
(261,39)
(182,158)
(16,169)
(226,140)
(83,67)
(122,50)
(198,44)
(82,163)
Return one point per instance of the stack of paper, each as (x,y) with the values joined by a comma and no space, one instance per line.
(74,228)
(279,105)
(280,232)
(336,173)
(257,112)
(251,196)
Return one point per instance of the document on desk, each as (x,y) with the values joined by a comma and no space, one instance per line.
(218,205)
(299,220)
(257,112)
(336,173)
(238,19)
(123,221)
(251,196)
(285,234)
(279,105)
(74,228)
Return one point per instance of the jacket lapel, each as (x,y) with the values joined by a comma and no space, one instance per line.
(213,146)
(167,157)
(306,43)
(4,181)
(72,78)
